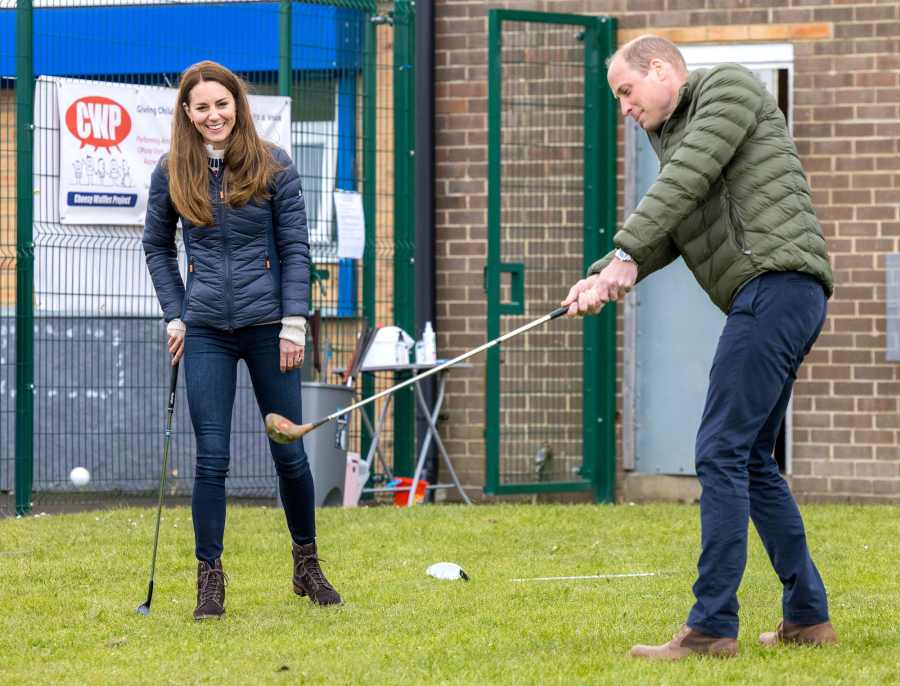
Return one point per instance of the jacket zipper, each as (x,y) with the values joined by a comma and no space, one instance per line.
(225,238)
(662,146)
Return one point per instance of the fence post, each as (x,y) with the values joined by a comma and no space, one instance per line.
(600,221)
(24,258)
(284,51)
(404,232)
(369,189)
(424,208)
(492,264)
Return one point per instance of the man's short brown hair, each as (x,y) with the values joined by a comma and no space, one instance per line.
(638,52)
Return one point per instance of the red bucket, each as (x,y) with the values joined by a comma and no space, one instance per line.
(401,486)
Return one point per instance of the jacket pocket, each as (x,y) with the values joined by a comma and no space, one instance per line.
(734,225)
(275,287)
(190,286)
(745,300)
(271,276)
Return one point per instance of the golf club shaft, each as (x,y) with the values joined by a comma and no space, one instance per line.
(170,412)
(558,312)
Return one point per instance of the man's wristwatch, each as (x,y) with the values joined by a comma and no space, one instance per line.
(622,256)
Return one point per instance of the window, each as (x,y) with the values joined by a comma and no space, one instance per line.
(314,149)
(773,64)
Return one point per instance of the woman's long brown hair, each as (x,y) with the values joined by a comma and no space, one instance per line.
(248,159)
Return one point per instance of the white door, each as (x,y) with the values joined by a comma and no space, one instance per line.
(672,327)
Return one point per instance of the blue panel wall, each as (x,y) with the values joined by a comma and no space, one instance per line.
(346,180)
(166,38)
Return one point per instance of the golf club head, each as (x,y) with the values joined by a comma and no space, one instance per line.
(283,430)
(144,608)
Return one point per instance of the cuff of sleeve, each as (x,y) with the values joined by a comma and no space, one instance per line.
(175,326)
(293,329)
(626,241)
(600,264)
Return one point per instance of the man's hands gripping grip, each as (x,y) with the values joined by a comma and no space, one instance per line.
(589,295)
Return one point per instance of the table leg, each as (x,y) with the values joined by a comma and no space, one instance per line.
(426,443)
(431,417)
(376,437)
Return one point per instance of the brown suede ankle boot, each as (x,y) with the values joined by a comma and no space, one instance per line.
(800,634)
(309,579)
(210,590)
(688,642)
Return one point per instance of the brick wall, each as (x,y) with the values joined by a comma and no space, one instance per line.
(846,105)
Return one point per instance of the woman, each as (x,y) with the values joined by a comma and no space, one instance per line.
(244,226)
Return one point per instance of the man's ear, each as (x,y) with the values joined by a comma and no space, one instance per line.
(658,67)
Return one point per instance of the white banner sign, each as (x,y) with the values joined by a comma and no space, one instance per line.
(112,136)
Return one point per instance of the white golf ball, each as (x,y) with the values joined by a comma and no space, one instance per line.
(80,476)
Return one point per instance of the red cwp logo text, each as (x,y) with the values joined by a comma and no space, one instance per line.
(98,121)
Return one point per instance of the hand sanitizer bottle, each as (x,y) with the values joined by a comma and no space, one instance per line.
(430,344)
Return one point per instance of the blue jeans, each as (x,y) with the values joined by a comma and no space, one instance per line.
(210,365)
(772,324)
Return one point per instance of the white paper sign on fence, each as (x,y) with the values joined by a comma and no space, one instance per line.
(351,224)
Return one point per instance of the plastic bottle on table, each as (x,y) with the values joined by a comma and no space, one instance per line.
(401,353)
(430,344)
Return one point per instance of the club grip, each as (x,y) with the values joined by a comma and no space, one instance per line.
(558,312)
(173,382)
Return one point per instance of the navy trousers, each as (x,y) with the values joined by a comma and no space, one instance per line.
(210,365)
(772,324)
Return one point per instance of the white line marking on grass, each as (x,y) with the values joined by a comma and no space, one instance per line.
(591,576)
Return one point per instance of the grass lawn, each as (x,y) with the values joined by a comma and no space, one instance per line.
(69,586)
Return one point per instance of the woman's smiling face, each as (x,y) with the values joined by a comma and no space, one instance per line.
(212,111)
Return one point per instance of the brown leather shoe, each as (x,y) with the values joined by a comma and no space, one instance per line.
(688,642)
(308,577)
(800,634)
(210,590)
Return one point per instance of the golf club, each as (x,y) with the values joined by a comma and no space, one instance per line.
(283,430)
(144,608)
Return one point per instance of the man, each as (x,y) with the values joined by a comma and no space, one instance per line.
(731,198)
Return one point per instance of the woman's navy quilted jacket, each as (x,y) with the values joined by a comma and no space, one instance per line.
(250,267)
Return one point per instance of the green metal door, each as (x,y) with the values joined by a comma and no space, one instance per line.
(551,212)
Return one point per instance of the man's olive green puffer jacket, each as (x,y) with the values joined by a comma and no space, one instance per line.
(731,197)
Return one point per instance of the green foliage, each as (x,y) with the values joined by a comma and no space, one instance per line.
(70,584)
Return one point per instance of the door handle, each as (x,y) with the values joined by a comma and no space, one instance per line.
(516,304)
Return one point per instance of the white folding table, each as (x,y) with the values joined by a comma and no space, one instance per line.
(431,433)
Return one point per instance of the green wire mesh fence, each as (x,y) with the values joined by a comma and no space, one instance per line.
(96,335)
